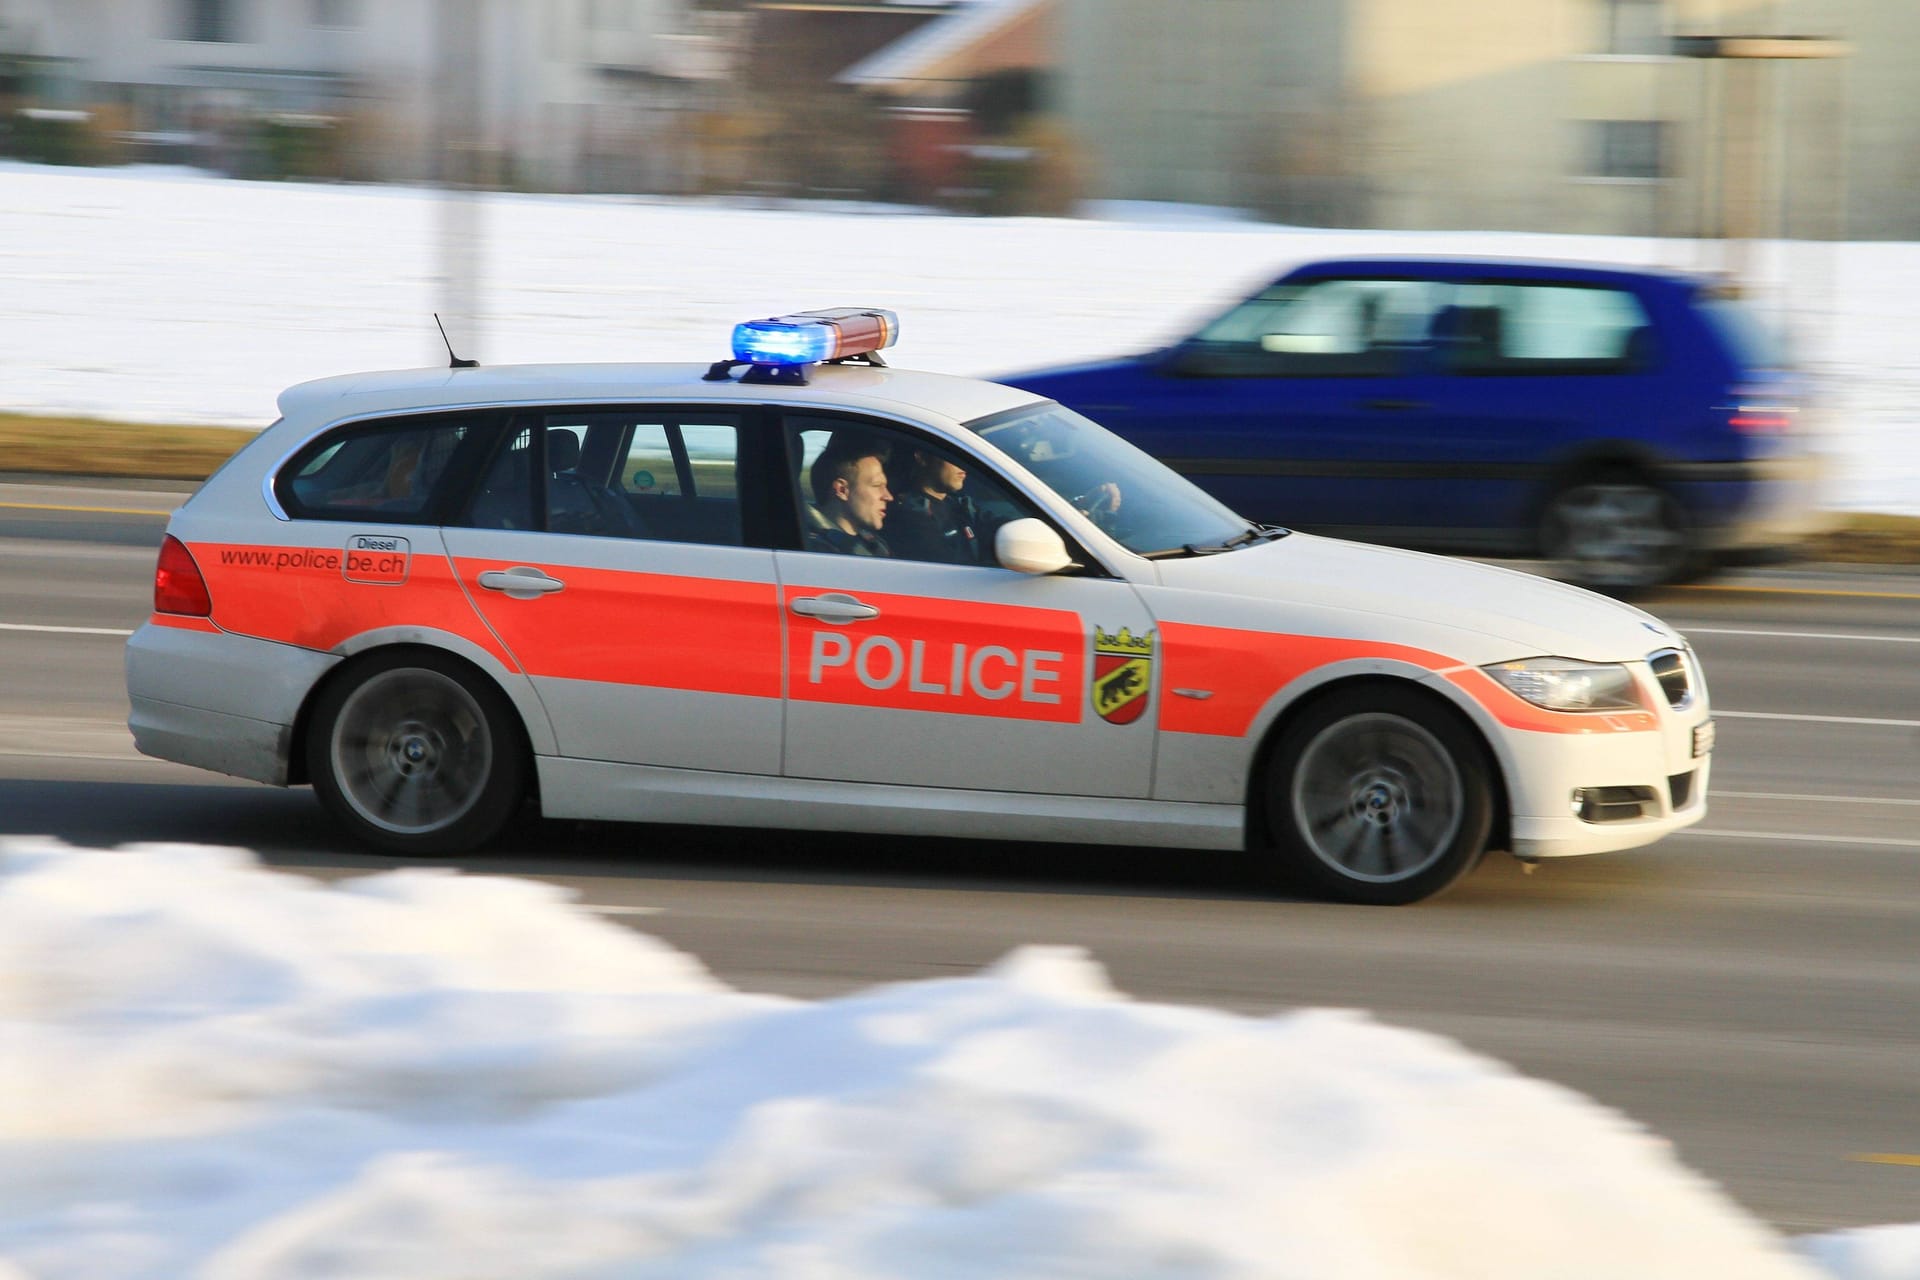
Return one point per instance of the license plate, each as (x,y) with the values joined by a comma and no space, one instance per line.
(1702,739)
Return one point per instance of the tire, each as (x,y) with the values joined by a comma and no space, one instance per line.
(415,753)
(1377,795)
(1618,532)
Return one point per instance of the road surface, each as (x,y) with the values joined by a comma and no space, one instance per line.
(1750,989)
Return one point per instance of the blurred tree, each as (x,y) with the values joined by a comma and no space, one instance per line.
(300,147)
(815,136)
(44,135)
(1299,166)
(1035,171)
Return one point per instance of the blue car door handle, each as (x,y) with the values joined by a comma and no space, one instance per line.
(1395,405)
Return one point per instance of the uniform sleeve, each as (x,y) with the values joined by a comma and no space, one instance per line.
(912,534)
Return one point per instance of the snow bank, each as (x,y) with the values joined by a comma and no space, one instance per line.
(212,1070)
(1877,1253)
(166,295)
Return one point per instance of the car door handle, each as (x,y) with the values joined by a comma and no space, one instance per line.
(522,582)
(1399,406)
(833,607)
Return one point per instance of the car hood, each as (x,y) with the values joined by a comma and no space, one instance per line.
(1449,601)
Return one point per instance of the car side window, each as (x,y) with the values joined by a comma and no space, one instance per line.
(504,498)
(385,471)
(649,466)
(667,477)
(1521,329)
(867,489)
(1318,328)
(679,474)
(657,451)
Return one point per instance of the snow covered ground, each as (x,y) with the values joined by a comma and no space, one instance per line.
(215,1071)
(168,295)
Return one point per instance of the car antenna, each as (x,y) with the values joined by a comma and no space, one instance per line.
(453,361)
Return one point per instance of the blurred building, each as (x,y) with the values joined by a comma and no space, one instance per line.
(1549,115)
(581,94)
(966,103)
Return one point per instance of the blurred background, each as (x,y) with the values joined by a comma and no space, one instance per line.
(1693,118)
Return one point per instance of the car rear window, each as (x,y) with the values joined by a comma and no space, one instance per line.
(386,471)
(1753,341)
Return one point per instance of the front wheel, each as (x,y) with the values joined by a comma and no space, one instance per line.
(1617,533)
(416,754)
(1378,796)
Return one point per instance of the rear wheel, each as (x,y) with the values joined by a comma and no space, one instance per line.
(1378,795)
(415,753)
(1618,532)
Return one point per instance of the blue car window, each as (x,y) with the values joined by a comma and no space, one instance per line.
(1531,329)
(1319,328)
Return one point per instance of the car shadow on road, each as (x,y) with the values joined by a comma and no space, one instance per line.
(286,828)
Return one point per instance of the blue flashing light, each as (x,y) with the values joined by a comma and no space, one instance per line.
(808,337)
(783,342)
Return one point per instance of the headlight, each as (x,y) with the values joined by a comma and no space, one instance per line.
(1562,684)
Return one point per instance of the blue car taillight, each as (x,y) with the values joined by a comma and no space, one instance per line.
(1763,411)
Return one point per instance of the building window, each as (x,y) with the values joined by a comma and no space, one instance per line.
(335,13)
(210,21)
(1633,27)
(1625,148)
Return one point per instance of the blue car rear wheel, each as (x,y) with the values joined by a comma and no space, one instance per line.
(1617,532)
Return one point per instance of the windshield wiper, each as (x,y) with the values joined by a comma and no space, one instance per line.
(1252,534)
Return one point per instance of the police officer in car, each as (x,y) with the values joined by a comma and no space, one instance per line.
(850,496)
(933,520)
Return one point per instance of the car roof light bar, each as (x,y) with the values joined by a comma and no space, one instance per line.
(780,348)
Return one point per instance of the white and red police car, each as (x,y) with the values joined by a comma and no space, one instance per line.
(802,589)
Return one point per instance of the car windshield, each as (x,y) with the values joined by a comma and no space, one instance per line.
(1135,498)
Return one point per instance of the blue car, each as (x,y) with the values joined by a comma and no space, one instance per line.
(1633,426)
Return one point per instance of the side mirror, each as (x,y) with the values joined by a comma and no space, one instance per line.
(1030,546)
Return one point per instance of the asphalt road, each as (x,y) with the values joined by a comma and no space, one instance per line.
(1749,990)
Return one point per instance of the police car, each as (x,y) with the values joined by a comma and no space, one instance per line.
(667,593)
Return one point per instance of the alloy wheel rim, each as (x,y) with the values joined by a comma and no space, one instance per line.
(1617,534)
(1377,798)
(411,751)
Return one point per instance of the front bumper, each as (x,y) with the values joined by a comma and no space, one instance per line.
(228,703)
(1658,764)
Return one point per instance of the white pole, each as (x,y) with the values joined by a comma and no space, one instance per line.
(462,129)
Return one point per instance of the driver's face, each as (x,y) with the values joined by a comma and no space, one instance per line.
(947,477)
